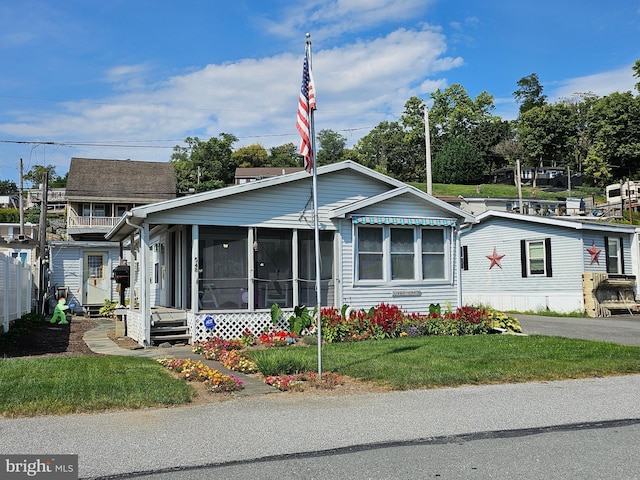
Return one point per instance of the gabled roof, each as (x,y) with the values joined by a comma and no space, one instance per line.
(136,215)
(136,181)
(575,223)
(405,189)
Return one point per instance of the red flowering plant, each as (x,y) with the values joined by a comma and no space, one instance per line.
(212,348)
(300,381)
(277,338)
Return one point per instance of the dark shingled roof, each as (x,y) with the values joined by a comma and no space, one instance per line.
(139,182)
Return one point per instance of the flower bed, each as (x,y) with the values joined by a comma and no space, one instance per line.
(300,382)
(196,371)
(389,321)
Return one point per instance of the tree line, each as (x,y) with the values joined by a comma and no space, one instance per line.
(595,137)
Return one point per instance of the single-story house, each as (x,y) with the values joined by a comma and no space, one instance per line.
(226,256)
(515,262)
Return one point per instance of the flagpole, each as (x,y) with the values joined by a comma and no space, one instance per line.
(312,138)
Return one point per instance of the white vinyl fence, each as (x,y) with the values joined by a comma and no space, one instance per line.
(15,290)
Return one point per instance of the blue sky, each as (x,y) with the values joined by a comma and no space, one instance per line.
(132,78)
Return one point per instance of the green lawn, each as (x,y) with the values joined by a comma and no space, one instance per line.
(62,385)
(427,362)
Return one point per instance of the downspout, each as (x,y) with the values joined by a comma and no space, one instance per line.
(145,309)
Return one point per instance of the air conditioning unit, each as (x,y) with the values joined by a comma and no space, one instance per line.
(21,238)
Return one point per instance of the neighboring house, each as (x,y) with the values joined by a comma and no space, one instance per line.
(98,193)
(56,198)
(530,206)
(514,262)
(226,256)
(251,174)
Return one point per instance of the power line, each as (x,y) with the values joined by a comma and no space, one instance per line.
(126,144)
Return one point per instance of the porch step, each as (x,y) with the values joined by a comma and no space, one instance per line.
(169,326)
(92,311)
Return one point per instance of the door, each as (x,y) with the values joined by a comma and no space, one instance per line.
(97,282)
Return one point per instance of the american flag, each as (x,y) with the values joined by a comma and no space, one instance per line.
(306,104)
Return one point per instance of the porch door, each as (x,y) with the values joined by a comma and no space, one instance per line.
(97,282)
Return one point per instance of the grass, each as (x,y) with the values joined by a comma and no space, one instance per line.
(63,385)
(497,190)
(429,362)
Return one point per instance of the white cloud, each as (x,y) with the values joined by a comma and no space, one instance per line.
(601,84)
(358,86)
(331,18)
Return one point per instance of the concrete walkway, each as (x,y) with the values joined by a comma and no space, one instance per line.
(98,341)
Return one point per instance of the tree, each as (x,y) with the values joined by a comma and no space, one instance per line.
(544,133)
(529,95)
(59,182)
(458,162)
(250,156)
(8,187)
(614,124)
(511,150)
(285,156)
(454,113)
(331,147)
(636,73)
(36,174)
(203,166)
(597,170)
(381,146)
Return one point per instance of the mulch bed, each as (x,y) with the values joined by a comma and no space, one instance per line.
(44,339)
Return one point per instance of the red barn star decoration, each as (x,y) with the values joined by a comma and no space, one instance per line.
(594,252)
(495,259)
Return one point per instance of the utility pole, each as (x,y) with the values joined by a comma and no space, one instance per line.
(427,144)
(21,201)
(42,283)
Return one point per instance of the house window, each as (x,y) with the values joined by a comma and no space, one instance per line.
(370,255)
(99,210)
(433,254)
(536,257)
(94,265)
(401,254)
(614,255)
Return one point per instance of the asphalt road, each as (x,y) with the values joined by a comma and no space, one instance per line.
(568,429)
(624,330)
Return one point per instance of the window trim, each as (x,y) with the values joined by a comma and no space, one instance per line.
(386,279)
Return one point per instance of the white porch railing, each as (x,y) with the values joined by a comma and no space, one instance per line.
(76,221)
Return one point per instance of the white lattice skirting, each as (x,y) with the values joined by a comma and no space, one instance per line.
(135,327)
(231,325)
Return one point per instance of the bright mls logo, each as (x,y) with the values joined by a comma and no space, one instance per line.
(52,467)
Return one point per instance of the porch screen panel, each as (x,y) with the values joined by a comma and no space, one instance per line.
(307,268)
(273,268)
(223,268)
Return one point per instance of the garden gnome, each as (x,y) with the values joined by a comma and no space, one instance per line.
(58,312)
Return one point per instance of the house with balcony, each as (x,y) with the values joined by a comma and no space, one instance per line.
(98,193)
